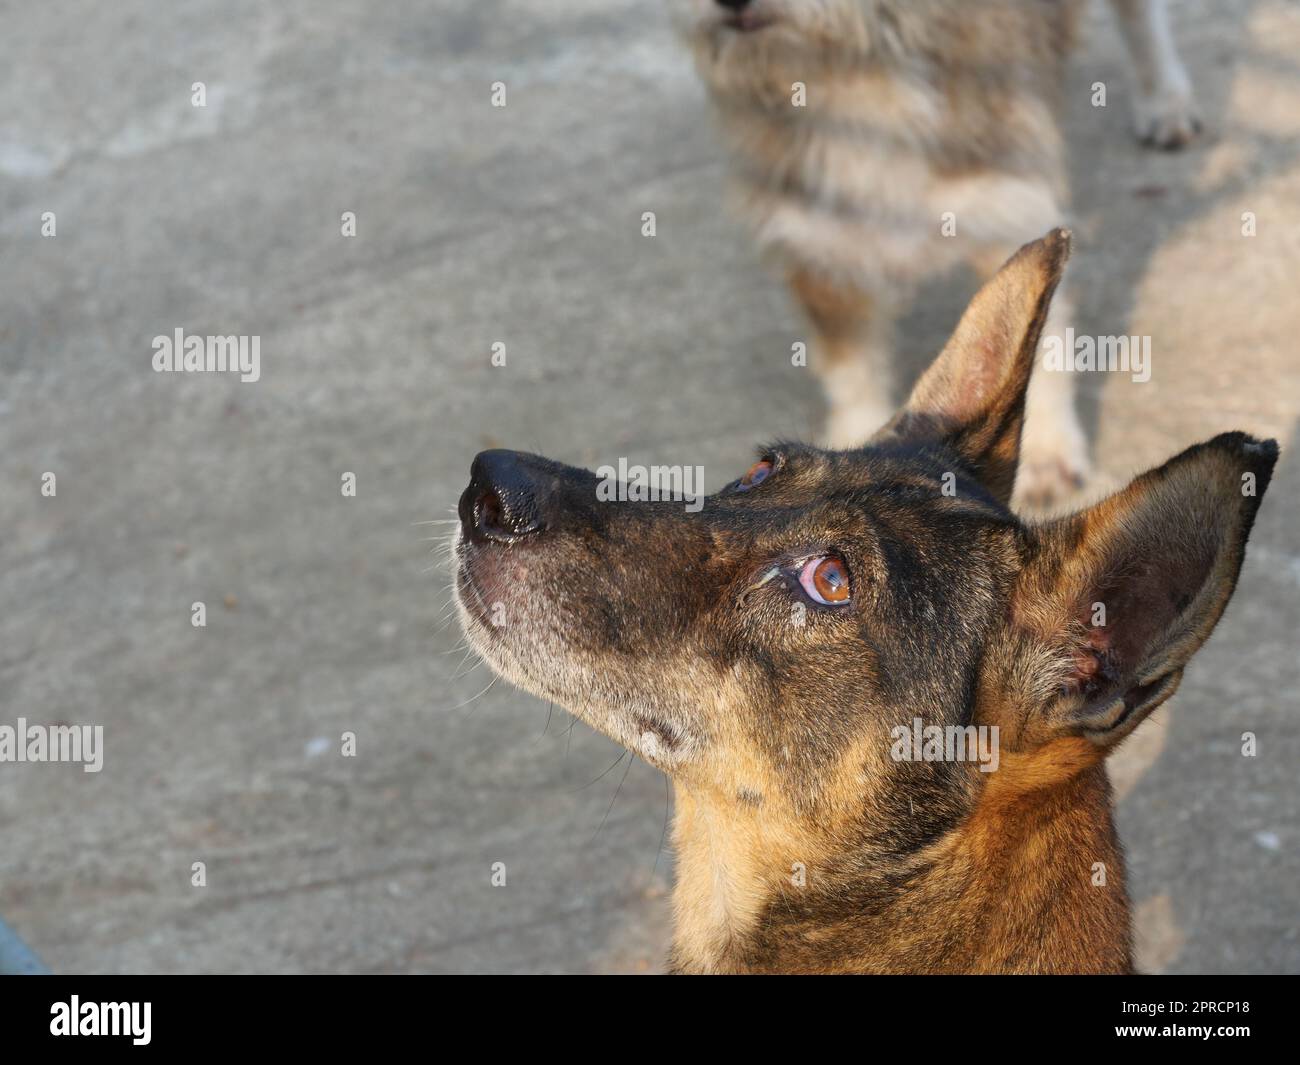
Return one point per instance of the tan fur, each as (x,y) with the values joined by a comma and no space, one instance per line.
(1048,809)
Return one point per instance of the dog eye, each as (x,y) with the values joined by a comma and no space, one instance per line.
(826,579)
(757,474)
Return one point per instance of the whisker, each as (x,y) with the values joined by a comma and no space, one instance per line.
(664,835)
(568,737)
(495,678)
(471,669)
(603,775)
(614,799)
(473,697)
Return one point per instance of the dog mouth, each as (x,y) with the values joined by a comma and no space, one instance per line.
(468,596)
(746,21)
(511,623)
(488,617)
(483,596)
(549,588)
(528,646)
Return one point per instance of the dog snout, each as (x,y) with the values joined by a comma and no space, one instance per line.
(505,501)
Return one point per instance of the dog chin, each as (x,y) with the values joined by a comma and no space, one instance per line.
(544,673)
(759,63)
(734,36)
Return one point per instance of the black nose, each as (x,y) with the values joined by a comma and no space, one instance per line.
(504,502)
(734,5)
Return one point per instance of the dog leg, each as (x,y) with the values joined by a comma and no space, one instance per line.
(851,354)
(1165,114)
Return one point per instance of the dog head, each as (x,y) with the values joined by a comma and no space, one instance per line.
(767,648)
(750,51)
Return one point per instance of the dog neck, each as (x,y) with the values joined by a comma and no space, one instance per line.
(1029,881)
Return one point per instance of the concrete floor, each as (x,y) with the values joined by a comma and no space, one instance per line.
(522,225)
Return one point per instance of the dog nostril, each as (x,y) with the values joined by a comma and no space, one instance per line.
(733,5)
(498,521)
(487,512)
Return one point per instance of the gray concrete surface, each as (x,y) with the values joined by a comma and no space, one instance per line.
(519,225)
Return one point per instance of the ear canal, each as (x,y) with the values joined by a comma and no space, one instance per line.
(1120,596)
(972,398)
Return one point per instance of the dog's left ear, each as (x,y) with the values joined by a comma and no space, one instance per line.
(972,398)
(1113,601)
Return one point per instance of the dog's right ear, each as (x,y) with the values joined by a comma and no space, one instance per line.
(1114,600)
(972,398)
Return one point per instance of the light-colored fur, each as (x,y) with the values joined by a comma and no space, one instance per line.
(926,138)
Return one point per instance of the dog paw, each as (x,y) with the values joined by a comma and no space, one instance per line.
(1167,119)
(1048,477)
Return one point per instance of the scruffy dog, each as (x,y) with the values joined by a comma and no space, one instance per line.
(880,142)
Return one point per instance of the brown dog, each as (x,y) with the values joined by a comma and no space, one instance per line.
(777,651)
(880,142)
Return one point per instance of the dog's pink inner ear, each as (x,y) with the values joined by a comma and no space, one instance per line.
(1130,609)
(1140,580)
(972,397)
